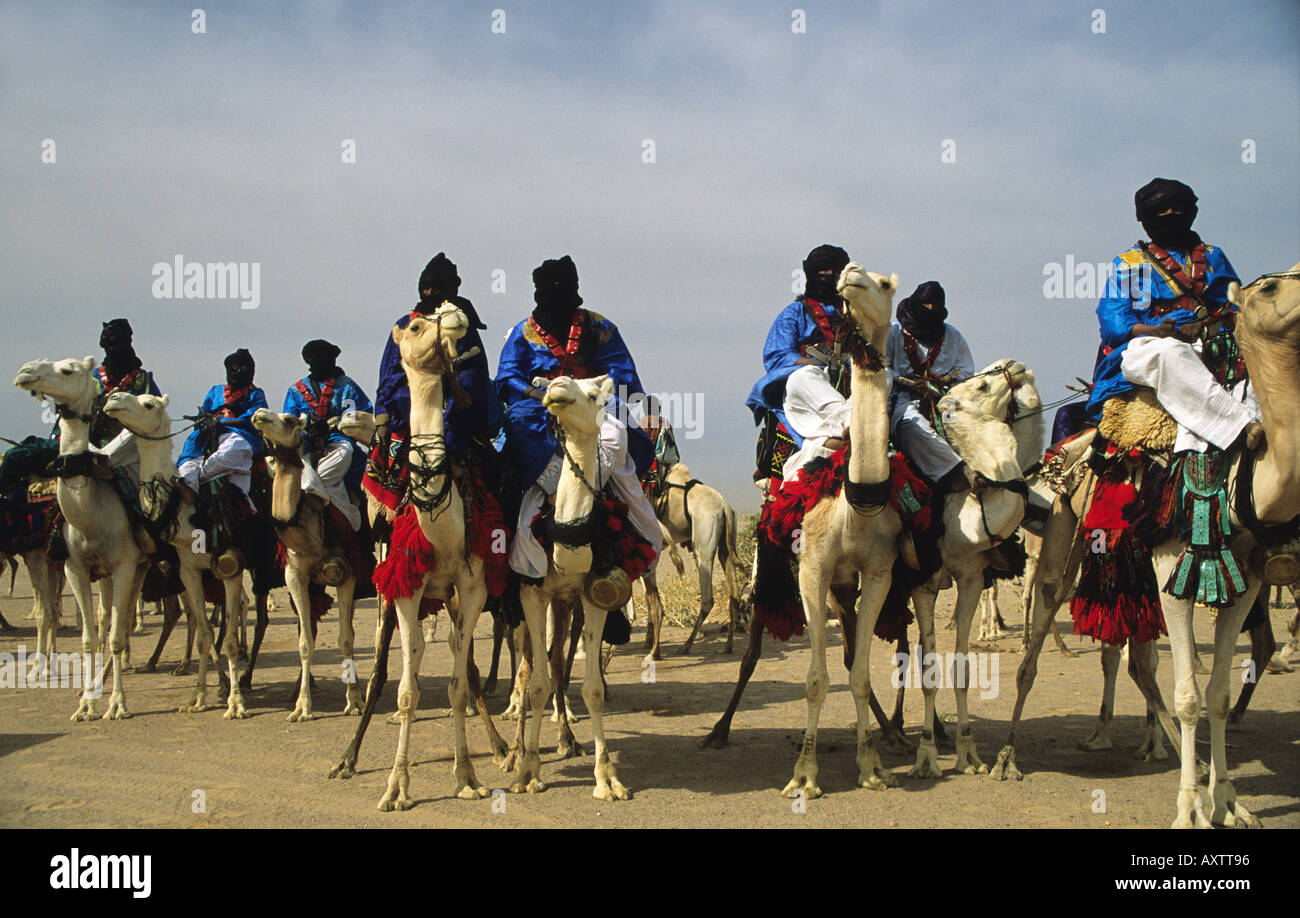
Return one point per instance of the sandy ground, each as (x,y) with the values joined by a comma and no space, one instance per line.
(264,771)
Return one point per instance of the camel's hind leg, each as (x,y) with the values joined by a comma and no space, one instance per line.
(495,740)
(396,795)
(608,786)
(347,643)
(719,735)
(654,613)
(1143,660)
(1100,736)
(235,709)
(927,753)
(347,766)
(259,632)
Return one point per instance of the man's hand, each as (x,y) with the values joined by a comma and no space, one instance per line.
(1165,329)
(534,393)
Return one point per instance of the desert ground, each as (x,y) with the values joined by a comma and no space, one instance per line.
(266,772)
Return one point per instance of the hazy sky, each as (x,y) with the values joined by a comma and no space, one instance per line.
(506,149)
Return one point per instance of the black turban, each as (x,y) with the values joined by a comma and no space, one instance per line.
(922,323)
(320,355)
(239,369)
(1172,231)
(556,287)
(119,356)
(439,276)
(115,335)
(824,258)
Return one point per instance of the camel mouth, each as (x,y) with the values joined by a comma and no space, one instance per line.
(26,379)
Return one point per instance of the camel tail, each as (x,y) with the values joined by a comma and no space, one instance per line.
(727,553)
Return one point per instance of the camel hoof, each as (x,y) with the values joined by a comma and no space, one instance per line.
(181,669)
(299,716)
(470,789)
(352,708)
(387,805)
(117,712)
(83,714)
(531,786)
(896,741)
(1191,811)
(235,712)
(1095,744)
(145,668)
(1006,765)
(684,652)
(805,786)
(571,749)
(343,770)
(717,738)
(612,791)
(1068,654)
(1241,818)
(878,781)
(927,764)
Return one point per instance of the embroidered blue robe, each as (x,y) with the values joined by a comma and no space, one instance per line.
(347,396)
(240,425)
(793,329)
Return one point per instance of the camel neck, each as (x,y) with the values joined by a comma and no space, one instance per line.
(74,432)
(869,421)
(573,499)
(429,452)
(1274,369)
(155,464)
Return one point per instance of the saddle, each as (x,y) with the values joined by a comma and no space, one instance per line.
(1135,420)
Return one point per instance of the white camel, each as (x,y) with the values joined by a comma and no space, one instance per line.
(97,528)
(146,417)
(696,516)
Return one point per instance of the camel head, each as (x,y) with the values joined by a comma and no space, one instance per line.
(578,404)
(869,298)
(428,343)
(68,382)
(978,412)
(279,429)
(140,414)
(1270,308)
(359,425)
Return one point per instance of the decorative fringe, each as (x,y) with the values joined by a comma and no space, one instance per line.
(1208,571)
(620,545)
(1117,597)
(1013,552)
(776,586)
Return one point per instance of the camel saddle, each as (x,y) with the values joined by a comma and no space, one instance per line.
(1135,420)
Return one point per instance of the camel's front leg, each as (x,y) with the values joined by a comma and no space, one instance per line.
(608,786)
(397,795)
(969,588)
(347,642)
(43,578)
(813,584)
(528,779)
(126,578)
(297,578)
(704,561)
(201,629)
(79,579)
(927,754)
(1227,810)
(875,585)
(1187,695)
(230,647)
(471,593)
(654,613)
(1100,737)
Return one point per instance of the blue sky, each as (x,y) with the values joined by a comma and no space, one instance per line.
(506,149)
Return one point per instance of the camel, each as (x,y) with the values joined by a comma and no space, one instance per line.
(695,515)
(980,420)
(301,522)
(166,508)
(578,406)
(428,346)
(1268,335)
(97,528)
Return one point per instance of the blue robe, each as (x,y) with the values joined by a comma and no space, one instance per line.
(347,396)
(793,329)
(241,425)
(529,443)
(461,422)
(1132,292)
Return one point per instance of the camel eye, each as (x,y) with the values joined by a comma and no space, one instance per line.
(1268,288)
(65,371)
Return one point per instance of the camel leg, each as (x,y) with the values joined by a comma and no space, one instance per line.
(871,771)
(43,578)
(813,584)
(528,779)
(171,615)
(518,695)
(655,612)
(201,629)
(79,579)
(498,636)
(347,643)
(567,747)
(125,589)
(1227,809)
(927,754)
(347,766)
(297,580)
(259,631)
(495,740)
(396,795)
(608,786)
(969,589)
(718,736)
(471,593)
(1100,736)
(705,549)
(1143,660)
(234,624)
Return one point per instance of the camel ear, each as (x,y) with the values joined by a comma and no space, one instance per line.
(1234,294)
(89,364)
(166,400)
(893,281)
(398,331)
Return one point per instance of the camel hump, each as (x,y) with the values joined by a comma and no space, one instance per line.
(679,472)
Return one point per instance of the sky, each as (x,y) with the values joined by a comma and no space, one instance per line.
(972,144)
